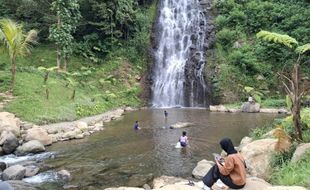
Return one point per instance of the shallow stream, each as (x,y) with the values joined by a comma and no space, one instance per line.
(119,156)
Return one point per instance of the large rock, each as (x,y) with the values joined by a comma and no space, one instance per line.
(64,175)
(300,151)
(83,126)
(254,183)
(75,134)
(179,187)
(218,108)
(286,188)
(8,141)
(257,155)
(16,172)
(40,134)
(9,122)
(202,168)
(33,146)
(31,170)
(20,185)
(250,107)
(180,125)
(5,186)
(273,110)
(244,141)
(124,188)
(167,180)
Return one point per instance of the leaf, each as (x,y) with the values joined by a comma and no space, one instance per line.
(303,49)
(277,38)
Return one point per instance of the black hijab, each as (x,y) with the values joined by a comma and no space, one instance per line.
(228,146)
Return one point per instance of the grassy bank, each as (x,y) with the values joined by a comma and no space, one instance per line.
(99,87)
(285,172)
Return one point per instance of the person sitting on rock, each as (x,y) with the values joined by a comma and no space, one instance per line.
(231,172)
(251,100)
(183,139)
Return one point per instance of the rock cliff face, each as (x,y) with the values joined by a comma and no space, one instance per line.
(182,34)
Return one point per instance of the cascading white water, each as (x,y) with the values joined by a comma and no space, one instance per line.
(182,31)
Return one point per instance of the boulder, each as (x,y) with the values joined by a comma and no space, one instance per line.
(233,110)
(273,110)
(286,188)
(31,170)
(83,126)
(179,125)
(8,141)
(1,151)
(64,175)
(250,107)
(257,155)
(52,131)
(3,166)
(124,188)
(20,185)
(218,108)
(202,168)
(254,183)
(300,151)
(167,180)
(16,172)
(146,187)
(33,146)
(40,134)
(9,122)
(128,109)
(5,186)
(72,134)
(178,187)
(71,187)
(244,141)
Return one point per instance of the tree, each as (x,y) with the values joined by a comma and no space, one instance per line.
(295,86)
(67,16)
(16,42)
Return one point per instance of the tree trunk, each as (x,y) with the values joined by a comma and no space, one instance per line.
(58,58)
(296,100)
(13,70)
(73,95)
(65,62)
(58,48)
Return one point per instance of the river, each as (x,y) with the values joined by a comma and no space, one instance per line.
(119,156)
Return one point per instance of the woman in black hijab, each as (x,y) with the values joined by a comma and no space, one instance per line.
(231,171)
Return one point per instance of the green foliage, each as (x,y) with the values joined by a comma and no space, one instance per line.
(273,103)
(293,173)
(258,133)
(277,38)
(283,158)
(67,17)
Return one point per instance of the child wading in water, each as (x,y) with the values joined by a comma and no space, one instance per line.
(183,139)
(136,126)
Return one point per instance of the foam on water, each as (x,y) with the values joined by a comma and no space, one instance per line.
(49,176)
(13,159)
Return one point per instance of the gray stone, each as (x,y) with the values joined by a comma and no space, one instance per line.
(70,187)
(257,155)
(250,107)
(218,108)
(8,141)
(202,168)
(3,166)
(8,122)
(146,187)
(300,151)
(16,172)
(31,171)
(5,186)
(180,125)
(64,175)
(40,134)
(162,181)
(33,146)
(20,185)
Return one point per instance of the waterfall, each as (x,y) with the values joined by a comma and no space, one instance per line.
(179,56)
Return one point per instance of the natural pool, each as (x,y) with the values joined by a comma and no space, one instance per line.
(119,156)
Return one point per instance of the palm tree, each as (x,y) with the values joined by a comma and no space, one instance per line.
(294,86)
(16,42)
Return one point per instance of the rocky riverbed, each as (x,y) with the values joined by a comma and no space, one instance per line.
(23,145)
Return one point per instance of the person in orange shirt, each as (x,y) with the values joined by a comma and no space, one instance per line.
(231,172)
